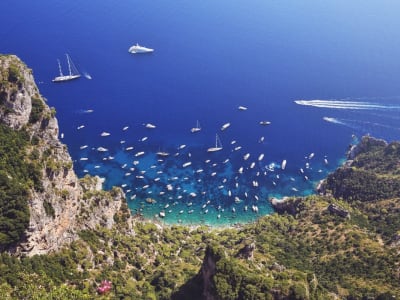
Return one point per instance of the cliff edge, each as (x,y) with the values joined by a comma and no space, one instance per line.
(61,205)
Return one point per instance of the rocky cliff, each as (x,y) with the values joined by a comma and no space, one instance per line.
(63,205)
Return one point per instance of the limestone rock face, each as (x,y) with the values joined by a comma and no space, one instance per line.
(16,100)
(65,205)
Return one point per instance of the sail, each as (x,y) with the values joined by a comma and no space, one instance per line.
(73,72)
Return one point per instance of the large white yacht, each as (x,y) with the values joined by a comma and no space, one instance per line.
(73,72)
(139,49)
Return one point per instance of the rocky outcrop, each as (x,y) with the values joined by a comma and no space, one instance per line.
(247,252)
(64,205)
(286,205)
(207,272)
(366,144)
(339,211)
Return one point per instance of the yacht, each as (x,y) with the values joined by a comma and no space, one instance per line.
(162,154)
(225,126)
(139,49)
(197,128)
(73,72)
(265,122)
(218,145)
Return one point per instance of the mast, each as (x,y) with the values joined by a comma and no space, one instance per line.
(59,67)
(69,65)
(216,142)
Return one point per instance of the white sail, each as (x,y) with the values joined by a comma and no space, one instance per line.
(218,145)
(73,72)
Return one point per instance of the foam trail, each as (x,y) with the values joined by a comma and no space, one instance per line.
(333,120)
(341,104)
(363,126)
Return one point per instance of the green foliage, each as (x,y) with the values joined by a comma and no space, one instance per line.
(37,110)
(14,73)
(16,178)
(354,184)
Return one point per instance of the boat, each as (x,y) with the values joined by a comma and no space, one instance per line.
(218,145)
(72,70)
(283,166)
(162,154)
(197,128)
(150,126)
(139,49)
(265,122)
(225,126)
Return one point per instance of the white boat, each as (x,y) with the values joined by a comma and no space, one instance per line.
(139,49)
(225,126)
(73,72)
(197,128)
(242,107)
(162,154)
(283,166)
(265,123)
(150,126)
(218,145)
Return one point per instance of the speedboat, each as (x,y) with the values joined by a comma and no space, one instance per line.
(265,122)
(139,49)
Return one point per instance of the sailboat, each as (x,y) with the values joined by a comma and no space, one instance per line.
(218,145)
(73,71)
(197,128)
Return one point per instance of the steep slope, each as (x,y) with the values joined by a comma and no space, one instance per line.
(60,205)
(341,244)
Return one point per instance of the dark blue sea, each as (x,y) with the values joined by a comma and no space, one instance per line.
(323,73)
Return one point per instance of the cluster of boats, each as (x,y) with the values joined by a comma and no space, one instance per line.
(184,181)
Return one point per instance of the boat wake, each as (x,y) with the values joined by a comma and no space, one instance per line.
(87,75)
(343,104)
(333,120)
(362,126)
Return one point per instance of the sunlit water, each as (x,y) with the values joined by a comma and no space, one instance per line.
(323,74)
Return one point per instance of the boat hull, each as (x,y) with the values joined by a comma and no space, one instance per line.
(139,49)
(66,78)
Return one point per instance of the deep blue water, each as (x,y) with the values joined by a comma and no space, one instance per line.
(211,57)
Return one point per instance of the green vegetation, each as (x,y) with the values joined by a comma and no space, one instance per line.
(17,177)
(307,256)
(37,110)
(311,253)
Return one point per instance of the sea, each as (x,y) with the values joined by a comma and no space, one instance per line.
(285,87)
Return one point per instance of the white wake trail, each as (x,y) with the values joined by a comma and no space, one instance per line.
(341,104)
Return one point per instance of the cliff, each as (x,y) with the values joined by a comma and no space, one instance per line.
(310,249)
(62,205)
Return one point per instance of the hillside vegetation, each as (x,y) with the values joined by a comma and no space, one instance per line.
(341,244)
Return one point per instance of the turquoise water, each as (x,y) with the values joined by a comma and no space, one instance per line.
(319,72)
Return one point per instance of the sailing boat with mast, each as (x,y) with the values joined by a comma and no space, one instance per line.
(218,145)
(73,71)
(197,128)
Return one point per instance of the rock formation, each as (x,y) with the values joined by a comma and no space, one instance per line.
(65,205)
